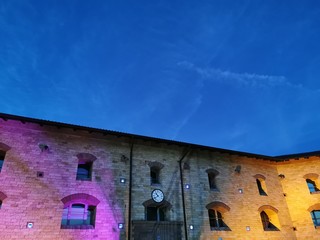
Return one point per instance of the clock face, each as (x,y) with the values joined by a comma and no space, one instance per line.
(157,195)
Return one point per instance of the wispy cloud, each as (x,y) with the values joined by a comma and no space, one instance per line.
(242,79)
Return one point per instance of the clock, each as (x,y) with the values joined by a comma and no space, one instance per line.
(157,195)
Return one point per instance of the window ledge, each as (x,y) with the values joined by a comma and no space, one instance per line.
(271,229)
(214,190)
(84,179)
(317,227)
(220,229)
(77,227)
(156,184)
(316,192)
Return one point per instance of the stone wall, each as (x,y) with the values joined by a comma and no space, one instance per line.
(34,182)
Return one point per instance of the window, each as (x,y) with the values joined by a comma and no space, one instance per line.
(215,219)
(261,184)
(154,175)
(157,211)
(212,174)
(312,186)
(212,181)
(155,214)
(315,215)
(79,211)
(155,168)
(261,191)
(84,171)
(2,197)
(216,212)
(269,218)
(2,155)
(78,214)
(85,164)
(267,225)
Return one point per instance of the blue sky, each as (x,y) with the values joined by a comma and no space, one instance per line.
(241,75)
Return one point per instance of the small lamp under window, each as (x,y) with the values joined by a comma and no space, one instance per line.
(120,225)
(29,224)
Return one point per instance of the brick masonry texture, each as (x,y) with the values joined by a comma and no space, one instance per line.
(29,198)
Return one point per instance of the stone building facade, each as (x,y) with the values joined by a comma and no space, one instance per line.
(62,181)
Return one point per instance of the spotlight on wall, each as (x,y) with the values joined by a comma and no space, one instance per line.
(248,228)
(122,180)
(187,186)
(281,176)
(43,147)
(240,190)
(29,224)
(238,169)
(191,227)
(120,225)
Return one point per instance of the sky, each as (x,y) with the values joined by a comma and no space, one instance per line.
(240,75)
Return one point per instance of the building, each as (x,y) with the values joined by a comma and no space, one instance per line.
(62,181)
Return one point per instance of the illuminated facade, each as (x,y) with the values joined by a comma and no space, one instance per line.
(61,181)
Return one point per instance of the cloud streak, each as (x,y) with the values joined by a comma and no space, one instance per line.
(242,79)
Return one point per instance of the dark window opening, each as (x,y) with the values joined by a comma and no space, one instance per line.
(154,175)
(0,204)
(267,225)
(216,221)
(315,215)
(312,186)
(77,216)
(2,155)
(261,190)
(84,171)
(155,214)
(212,181)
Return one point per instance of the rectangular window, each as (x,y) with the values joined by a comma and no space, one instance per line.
(84,171)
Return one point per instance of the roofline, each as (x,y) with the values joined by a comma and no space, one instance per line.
(136,136)
(298,155)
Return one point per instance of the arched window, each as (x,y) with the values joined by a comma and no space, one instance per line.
(155,169)
(156,211)
(269,218)
(261,184)
(85,163)
(312,182)
(216,212)
(315,215)
(79,211)
(312,186)
(212,174)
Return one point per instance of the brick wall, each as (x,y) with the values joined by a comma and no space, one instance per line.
(29,198)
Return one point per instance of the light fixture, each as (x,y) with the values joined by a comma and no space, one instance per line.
(191,227)
(282,176)
(240,190)
(40,174)
(120,225)
(122,180)
(29,224)
(187,186)
(248,228)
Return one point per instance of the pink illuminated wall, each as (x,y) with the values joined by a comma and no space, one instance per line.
(38,199)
